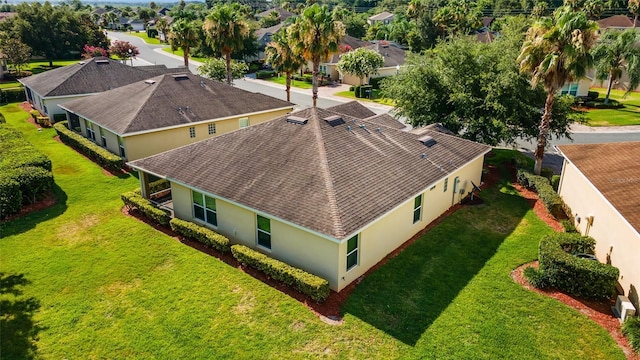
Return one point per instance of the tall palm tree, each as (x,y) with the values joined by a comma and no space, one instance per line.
(226,29)
(556,50)
(281,56)
(315,36)
(634,8)
(163,26)
(616,52)
(184,35)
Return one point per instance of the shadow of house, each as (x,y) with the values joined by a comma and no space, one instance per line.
(19,330)
(424,279)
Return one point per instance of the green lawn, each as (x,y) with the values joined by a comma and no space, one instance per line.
(37,67)
(629,115)
(143,36)
(81,280)
(294,83)
(376,98)
(180,53)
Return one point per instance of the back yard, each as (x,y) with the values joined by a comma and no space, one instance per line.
(81,280)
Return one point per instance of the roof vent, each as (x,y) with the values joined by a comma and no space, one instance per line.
(378,130)
(427,140)
(297,120)
(102,61)
(149,82)
(334,120)
(82,63)
(178,77)
(423,155)
(348,128)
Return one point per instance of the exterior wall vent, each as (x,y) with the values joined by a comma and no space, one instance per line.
(334,120)
(178,77)
(427,140)
(297,120)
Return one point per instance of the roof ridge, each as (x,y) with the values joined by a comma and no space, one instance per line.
(87,61)
(144,104)
(325,172)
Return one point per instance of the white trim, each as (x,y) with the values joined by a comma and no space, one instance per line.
(624,219)
(184,125)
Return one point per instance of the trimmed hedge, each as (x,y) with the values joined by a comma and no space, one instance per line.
(12,95)
(90,149)
(375,82)
(314,286)
(265,74)
(573,275)
(593,95)
(631,330)
(34,181)
(10,196)
(133,200)
(540,184)
(201,234)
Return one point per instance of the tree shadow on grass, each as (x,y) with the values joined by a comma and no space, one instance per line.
(406,295)
(29,221)
(19,331)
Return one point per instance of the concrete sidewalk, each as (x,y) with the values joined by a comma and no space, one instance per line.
(580,128)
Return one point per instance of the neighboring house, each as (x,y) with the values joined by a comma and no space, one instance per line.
(578,88)
(168,111)
(164,11)
(383,17)
(3,66)
(394,59)
(618,22)
(486,37)
(136,24)
(317,189)
(359,111)
(45,91)
(284,14)
(263,36)
(600,183)
(487,21)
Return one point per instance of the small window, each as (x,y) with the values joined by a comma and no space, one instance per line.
(352,252)
(91,135)
(212,129)
(264,232)
(417,208)
(446,184)
(104,141)
(204,208)
(244,122)
(192,132)
(123,154)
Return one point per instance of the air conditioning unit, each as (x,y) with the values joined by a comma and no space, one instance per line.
(624,308)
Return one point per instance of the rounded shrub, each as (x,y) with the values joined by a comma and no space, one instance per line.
(10,196)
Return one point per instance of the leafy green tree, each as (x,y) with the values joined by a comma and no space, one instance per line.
(556,50)
(163,26)
(216,69)
(123,50)
(227,29)
(281,56)
(315,35)
(17,53)
(355,24)
(424,32)
(184,36)
(361,62)
(270,20)
(615,53)
(458,17)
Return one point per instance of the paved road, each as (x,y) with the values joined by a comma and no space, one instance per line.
(150,54)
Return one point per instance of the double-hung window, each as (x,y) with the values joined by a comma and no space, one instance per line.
(192,131)
(446,184)
(103,138)
(264,232)
(352,252)
(417,208)
(123,154)
(212,129)
(90,133)
(204,208)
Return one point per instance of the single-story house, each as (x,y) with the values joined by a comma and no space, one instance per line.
(136,24)
(166,112)
(384,17)
(577,88)
(600,183)
(47,90)
(263,36)
(320,190)
(618,22)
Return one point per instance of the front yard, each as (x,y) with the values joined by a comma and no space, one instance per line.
(81,280)
(629,115)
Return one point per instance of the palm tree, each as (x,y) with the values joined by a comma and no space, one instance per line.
(226,29)
(634,8)
(281,56)
(615,53)
(163,26)
(184,35)
(556,50)
(315,36)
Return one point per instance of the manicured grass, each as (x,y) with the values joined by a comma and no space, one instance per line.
(81,280)
(629,115)
(10,85)
(37,67)
(180,53)
(374,98)
(143,36)
(294,83)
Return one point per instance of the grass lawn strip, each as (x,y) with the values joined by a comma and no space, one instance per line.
(180,53)
(294,83)
(629,115)
(103,285)
(376,97)
(143,36)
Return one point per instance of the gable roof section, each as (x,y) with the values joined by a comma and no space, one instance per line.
(284,14)
(381,16)
(386,120)
(353,109)
(169,100)
(333,180)
(617,21)
(613,169)
(88,77)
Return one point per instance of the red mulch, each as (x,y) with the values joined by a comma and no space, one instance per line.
(47,202)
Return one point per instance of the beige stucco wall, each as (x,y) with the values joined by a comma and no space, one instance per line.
(583,86)
(53,102)
(609,228)
(112,138)
(143,145)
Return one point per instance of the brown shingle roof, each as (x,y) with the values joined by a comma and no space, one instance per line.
(169,100)
(381,16)
(89,77)
(331,179)
(614,169)
(386,120)
(353,109)
(617,21)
